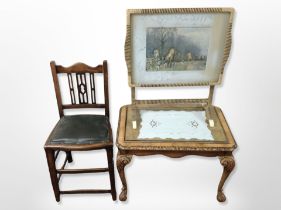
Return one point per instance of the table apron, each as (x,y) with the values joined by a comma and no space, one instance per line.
(174,154)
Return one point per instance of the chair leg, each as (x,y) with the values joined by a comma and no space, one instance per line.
(69,156)
(50,154)
(109,152)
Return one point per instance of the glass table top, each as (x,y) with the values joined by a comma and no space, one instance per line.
(173,124)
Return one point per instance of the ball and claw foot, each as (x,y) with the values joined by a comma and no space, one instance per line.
(123,195)
(221,197)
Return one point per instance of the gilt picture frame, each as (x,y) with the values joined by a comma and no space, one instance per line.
(177,47)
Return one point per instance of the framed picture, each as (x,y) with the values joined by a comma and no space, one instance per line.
(177,47)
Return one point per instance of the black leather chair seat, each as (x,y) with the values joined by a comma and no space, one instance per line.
(80,129)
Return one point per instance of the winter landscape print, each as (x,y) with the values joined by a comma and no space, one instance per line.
(176,49)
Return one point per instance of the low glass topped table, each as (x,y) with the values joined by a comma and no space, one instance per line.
(174,131)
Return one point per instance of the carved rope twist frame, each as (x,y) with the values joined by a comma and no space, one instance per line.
(128,47)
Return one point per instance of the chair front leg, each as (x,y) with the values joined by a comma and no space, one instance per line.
(50,154)
(109,153)
(228,164)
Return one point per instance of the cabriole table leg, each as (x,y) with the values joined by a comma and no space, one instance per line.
(122,161)
(228,164)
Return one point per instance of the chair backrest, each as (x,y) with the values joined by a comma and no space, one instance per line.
(78,75)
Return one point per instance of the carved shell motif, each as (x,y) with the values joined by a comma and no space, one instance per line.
(122,161)
(228,163)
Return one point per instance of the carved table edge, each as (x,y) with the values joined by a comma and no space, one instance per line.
(174,148)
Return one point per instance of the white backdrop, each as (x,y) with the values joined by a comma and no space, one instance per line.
(32,33)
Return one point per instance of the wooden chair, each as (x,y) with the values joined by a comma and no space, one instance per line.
(80,132)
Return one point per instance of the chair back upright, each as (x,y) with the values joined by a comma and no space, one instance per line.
(82,94)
